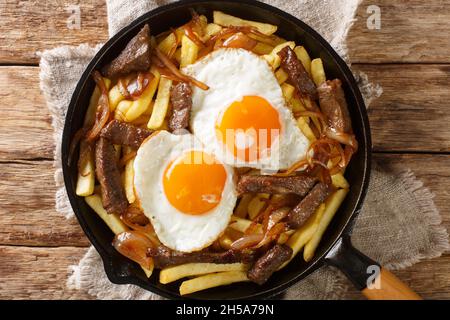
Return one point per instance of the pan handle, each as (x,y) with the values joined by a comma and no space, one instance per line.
(375,282)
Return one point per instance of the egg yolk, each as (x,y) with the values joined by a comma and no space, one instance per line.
(193,183)
(249,127)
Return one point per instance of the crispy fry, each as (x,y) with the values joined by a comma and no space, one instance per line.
(331,206)
(122,109)
(226,20)
(189,51)
(288,91)
(297,105)
(211,30)
(281,76)
(211,281)
(306,130)
(257,204)
(129,179)
(168,44)
(317,72)
(242,208)
(339,181)
(161,104)
(140,105)
(262,48)
(177,55)
(114,97)
(171,274)
(273,59)
(303,56)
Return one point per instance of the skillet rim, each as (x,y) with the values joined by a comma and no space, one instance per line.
(318,260)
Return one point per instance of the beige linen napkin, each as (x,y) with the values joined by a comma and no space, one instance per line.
(399,223)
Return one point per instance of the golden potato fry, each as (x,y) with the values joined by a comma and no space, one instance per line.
(297,105)
(242,208)
(305,128)
(331,206)
(115,97)
(140,105)
(170,274)
(121,110)
(211,30)
(129,181)
(226,20)
(302,235)
(111,220)
(288,91)
(273,59)
(285,236)
(241,225)
(303,56)
(189,51)
(211,281)
(161,104)
(257,204)
(317,71)
(168,43)
(86,175)
(339,181)
(262,48)
(177,55)
(281,76)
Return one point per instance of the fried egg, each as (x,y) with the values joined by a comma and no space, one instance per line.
(243,118)
(187,194)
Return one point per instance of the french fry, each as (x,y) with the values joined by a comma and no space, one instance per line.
(262,48)
(177,55)
(317,72)
(257,204)
(86,174)
(226,20)
(288,91)
(211,30)
(297,105)
(171,274)
(302,235)
(303,56)
(273,59)
(112,221)
(331,206)
(114,96)
(338,180)
(189,51)
(89,118)
(285,236)
(140,105)
(211,281)
(129,180)
(241,225)
(121,110)
(167,44)
(225,241)
(242,208)
(281,76)
(161,104)
(306,129)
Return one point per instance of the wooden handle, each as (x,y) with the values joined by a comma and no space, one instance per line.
(389,287)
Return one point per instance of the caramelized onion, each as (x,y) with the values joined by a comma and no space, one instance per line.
(344,138)
(134,245)
(240,40)
(130,155)
(192,36)
(172,68)
(74,143)
(247,241)
(272,234)
(103,112)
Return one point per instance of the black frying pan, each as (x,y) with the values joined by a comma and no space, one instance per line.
(335,247)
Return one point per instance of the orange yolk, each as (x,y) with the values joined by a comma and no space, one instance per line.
(249,127)
(193,183)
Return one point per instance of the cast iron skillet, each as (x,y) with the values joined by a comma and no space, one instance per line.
(335,247)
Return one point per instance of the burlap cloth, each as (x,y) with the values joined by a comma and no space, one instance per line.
(399,224)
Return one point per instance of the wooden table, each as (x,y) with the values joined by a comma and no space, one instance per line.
(409,57)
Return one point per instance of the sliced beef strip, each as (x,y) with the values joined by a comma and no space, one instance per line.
(135,57)
(181,99)
(265,266)
(113,194)
(300,214)
(297,74)
(334,106)
(123,133)
(299,185)
(165,257)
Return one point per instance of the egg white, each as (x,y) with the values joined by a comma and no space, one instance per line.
(232,74)
(175,229)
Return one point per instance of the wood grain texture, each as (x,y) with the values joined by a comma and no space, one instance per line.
(411,31)
(38,273)
(27,27)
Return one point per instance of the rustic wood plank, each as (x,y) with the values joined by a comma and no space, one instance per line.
(412,114)
(27,208)
(25,129)
(27,27)
(20,265)
(411,31)
(414,111)
(38,273)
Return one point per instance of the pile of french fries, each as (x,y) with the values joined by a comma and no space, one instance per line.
(151,109)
